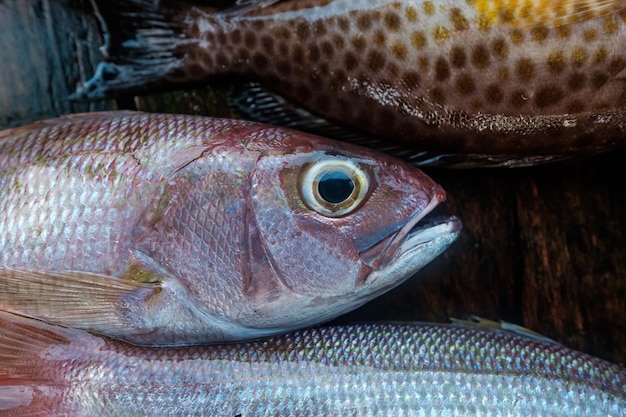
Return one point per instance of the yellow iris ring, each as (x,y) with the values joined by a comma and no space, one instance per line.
(310,180)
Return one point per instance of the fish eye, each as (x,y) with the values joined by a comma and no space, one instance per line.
(334,188)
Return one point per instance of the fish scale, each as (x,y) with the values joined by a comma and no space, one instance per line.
(490,77)
(360,370)
(32,229)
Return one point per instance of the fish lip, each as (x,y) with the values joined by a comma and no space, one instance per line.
(411,235)
(427,232)
(420,245)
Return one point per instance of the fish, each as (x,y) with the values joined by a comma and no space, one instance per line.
(353,370)
(169,230)
(507,82)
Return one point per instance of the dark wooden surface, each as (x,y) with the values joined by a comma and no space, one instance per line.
(46,48)
(543,247)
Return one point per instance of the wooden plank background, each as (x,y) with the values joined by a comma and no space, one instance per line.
(543,247)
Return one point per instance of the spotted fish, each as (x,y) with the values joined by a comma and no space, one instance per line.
(481,77)
(364,370)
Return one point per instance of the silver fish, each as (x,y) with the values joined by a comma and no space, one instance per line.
(170,230)
(502,79)
(362,370)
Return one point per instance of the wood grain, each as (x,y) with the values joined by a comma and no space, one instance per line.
(543,247)
(46,48)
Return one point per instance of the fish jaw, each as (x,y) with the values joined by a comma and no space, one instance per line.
(384,249)
(420,246)
(403,253)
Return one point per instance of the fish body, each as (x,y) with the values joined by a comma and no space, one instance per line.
(546,77)
(170,230)
(360,370)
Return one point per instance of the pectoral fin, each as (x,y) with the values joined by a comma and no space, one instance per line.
(83,300)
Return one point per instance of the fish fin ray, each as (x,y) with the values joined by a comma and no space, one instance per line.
(82,300)
(511,328)
(30,378)
(252,101)
(255,102)
(143,42)
(243,7)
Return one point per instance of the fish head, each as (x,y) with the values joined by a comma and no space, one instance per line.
(337,226)
(277,229)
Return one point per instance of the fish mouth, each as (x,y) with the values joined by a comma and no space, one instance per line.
(427,232)
(418,241)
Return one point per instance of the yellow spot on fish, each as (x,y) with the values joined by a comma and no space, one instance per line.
(564,32)
(418,39)
(441,34)
(392,22)
(500,48)
(556,62)
(411,14)
(484,24)
(380,37)
(610,26)
(600,56)
(579,56)
(399,50)
(526,11)
(459,21)
(136,272)
(429,8)
(539,33)
(590,35)
(517,36)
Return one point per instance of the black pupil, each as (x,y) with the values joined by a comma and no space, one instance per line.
(335,186)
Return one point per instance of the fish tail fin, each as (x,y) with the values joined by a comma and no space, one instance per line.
(32,375)
(145,45)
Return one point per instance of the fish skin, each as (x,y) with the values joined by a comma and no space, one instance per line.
(172,230)
(360,370)
(469,77)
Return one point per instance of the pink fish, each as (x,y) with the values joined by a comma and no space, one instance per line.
(171,230)
(364,370)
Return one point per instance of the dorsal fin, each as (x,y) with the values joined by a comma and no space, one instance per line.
(511,328)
